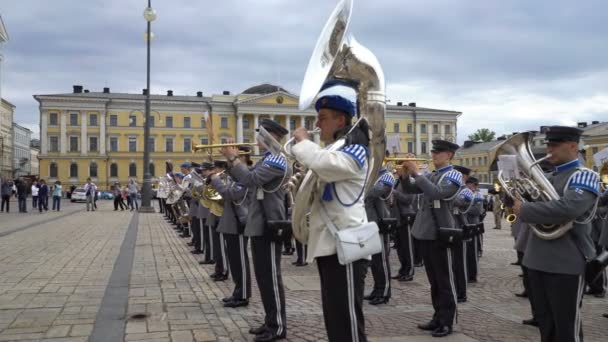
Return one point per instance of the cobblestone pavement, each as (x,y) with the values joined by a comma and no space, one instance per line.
(54,274)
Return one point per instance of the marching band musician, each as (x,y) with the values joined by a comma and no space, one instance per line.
(520,246)
(439,189)
(266,203)
(473,216)
(231,226)
(203,214)
(186,185)
(462,206)
(377,210)
(556,266)
(597,288)
(217,237)
(603,206)
(342,176)
(195,228)
(406,214)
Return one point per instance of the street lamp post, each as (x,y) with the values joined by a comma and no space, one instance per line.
(146,198)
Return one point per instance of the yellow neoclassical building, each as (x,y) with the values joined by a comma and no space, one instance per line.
(100,134)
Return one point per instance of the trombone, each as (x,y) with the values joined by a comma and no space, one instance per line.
(200,147)
(290,142)
(391,161)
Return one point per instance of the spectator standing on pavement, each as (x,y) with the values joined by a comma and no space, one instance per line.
(6,190)
(125,196)
(57,195)
(118,197)
(35,194)
(43,196)
(22,195)
(133,191)
(90,190)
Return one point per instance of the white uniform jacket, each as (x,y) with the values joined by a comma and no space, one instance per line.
(341,178)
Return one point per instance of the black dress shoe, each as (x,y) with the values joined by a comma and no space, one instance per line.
(227,299)
(516,263)
(418,264)
(259,330)
(462,300)
(379,300)
(432,325)
(269,336)
(522,295)
(442,331)
(196,251)
(405,278)
(190,244)
(236,303)
(530,321)
(370,296)
(397,276)
(472,281)
(605,315)
(206,262)
(221,277)
(597,294)
(302,264)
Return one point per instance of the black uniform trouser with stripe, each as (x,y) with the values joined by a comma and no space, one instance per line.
(301,251)
(405,247)
(526,282)
(266,256)
(417,252)
(381,270)
(239,265)
(196,233)
(207,245)
(219,252)
(437,259)
(600,284)
(472,258)
(558,299)
(342,298)
(459,251)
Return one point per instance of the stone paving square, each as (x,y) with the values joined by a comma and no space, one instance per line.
(57,271)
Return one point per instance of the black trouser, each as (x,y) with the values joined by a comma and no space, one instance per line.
(6,200)
(219,252)
(207,244)
(437,259)
(301,251)
(472,258)
(196,233)
(342,298)
(239,265)
(117,203)
(288,245)
(266,256)
(526,283)
(160,205)
(417,252)
(558,299)
(459,251)
(405,247)
(479,245)
(381,270)
(34,201)
(599,285)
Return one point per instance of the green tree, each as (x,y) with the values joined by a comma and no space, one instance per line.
(483,134)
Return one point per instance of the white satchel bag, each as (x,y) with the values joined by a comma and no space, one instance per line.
(355,243)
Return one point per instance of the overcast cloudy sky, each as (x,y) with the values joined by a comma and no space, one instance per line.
(507,65)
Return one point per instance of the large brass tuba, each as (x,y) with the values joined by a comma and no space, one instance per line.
(337,55)
(528,183)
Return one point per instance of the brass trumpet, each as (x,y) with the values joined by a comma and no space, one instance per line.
(200,147)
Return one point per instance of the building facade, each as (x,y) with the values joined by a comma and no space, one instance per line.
(6,139)
(3,39)
(100,134)
(21,151)
(35,165)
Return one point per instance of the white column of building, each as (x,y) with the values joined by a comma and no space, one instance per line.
(239,128)
(63,145)
(288,125)
(418,140)
(302,121)
(83,134)
(102,134)
(271,116)
(442,130)
(256,125)
(429,134)
(44,125)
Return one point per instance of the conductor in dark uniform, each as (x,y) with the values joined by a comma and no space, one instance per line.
(556,267)
(266,203)
(439,189)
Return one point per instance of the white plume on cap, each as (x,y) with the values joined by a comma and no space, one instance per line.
(339,90)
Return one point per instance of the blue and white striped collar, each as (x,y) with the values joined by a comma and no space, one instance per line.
(568,165)
(445,168)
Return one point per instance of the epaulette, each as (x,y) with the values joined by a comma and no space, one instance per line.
(585,179)
(357,152)
(387,179)
(454,177)
(466,194)
(277,161)
(478,197)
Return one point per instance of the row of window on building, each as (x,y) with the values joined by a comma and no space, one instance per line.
(93,170)
(74,144)
(476,161)
(168,121)
(423,128)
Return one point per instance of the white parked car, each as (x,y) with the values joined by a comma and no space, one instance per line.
(79,194)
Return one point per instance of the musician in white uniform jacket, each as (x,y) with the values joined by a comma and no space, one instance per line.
(342,176)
